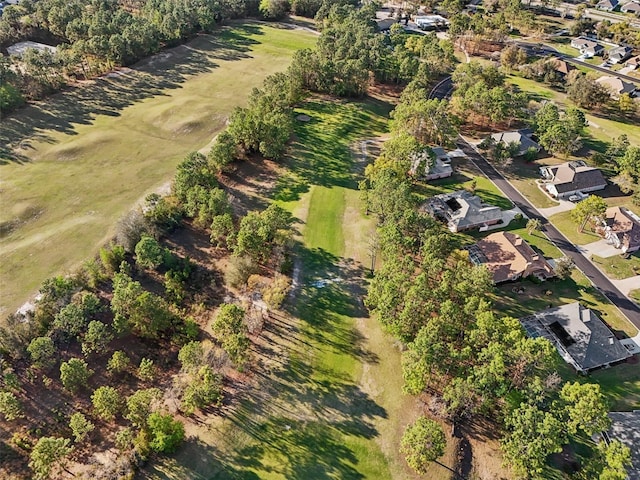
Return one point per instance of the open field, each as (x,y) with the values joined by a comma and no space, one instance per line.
(76,163)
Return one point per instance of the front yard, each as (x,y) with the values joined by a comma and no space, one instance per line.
(618,267)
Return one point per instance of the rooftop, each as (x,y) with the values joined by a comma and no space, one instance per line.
(625,427)
(575,175)
(579,335)
(462,210)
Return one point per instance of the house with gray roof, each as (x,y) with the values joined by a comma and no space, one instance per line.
(461,210)
(434,163)
(616,86)
(625,427)
(607,5)
(581,338)
(631,7)
(569,178)
(521,137)
(587,46)
(619,54)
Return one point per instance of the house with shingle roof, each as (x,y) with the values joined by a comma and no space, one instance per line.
(619,54)
(561,66)
(621,228)
(569,178)
(581,338)
(617,86)
(521,137)
(607,5)
(587,46)
(461,210)
(631,7)
(508,257)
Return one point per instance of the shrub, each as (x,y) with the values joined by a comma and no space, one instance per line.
(146,370)
(112,257)
(239,270)
(141,404)
(124,439)
(163,212)
(166,433)
(191,356)
(203,390)
(149,253)
(130,229)
(10,406)
(97,337)
(71,320)
(275,294)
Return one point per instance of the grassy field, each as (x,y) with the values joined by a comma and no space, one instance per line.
(569,228)
(73,165)
(618,267)
(330,404)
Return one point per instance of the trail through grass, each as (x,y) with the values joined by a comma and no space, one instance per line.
(73,165)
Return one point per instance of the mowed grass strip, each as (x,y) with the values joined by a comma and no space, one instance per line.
(83,158)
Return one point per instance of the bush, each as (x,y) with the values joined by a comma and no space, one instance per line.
(10,406)
(163,212)
(130,229)
(166,433)
(203,390)
(97,337)
(275,294)
(191,356)
(146,370)
(149,253)
(124,439)
(141,404)
(111,257)
(70,321)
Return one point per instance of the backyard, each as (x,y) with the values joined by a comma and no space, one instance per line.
(75,164)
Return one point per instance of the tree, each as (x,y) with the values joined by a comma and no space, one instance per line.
(586,408)
(47,453)
(141,404)
(586,92)
(222,230)
(274,9)
(230,328)
(191,356)
(97,337)
(564,267)
(118,362)
(423,442)
(533,225)
(513,56)
(149,253)
(203,390)
(74,374)
(428,121)
(533,435)
(42,352)
(589,208)
(10,406)
(146,369)
(223,151)
(70,320)
(106,402)
(80,426)
(166,433)
(260,231)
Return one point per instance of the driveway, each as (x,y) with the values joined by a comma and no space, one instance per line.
(564,206)
(628,284)
(600,248)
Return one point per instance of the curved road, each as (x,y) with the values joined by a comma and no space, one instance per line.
(601,282)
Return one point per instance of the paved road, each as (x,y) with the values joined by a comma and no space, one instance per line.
(628,308)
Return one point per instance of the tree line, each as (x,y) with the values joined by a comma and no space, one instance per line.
(429,295)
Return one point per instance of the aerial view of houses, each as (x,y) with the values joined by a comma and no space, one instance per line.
(319,239)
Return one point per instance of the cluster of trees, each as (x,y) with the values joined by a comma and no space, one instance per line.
(481,91)
(625,159)
(431,297)
(350,53)
(559,132)
(585,91)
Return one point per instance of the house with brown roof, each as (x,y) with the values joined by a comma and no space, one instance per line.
(569,178)
(617,86)
(633,62)
(580,337)
(560,66)
(621,228)
(508,257)
(631,7)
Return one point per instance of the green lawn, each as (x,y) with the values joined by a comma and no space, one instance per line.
(536,297)
(618,267)
(74,164)
(569,228)
(635,294)
(461,180)
(529,188)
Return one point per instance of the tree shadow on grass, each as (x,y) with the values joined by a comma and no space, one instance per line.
(111,93)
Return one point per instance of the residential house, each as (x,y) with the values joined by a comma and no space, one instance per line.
(621,228)
(581,338)
(508,257)
(607,5)
(569,178)
(587,46)
(625,427)
(619,54)
(521,137)
(430,22)
(438,161)
(561,66)
(633,62)
(631,7)
(462,210)
(617,86)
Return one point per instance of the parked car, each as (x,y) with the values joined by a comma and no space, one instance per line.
(578,196)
